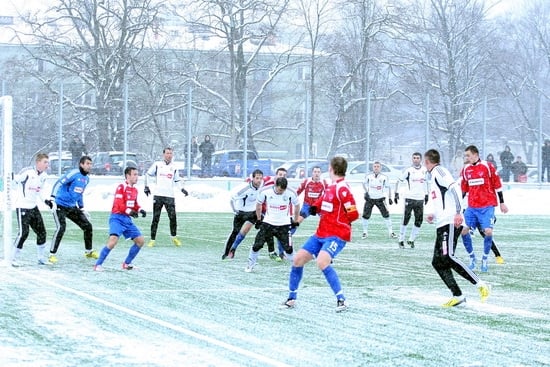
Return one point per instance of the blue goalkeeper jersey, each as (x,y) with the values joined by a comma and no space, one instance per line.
(69,188)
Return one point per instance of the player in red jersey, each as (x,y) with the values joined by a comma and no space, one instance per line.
(313,189)
(125,205)
(481,182)
(338,210)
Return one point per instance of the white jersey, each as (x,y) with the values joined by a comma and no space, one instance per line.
(445,196)
(166,177)
(30,188)
(376,185)
(277,205)
(417,183)
(244,197)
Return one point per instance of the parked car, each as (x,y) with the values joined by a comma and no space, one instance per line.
(182,169)
(229,163)
(112,163)
(66,162)
(296,168)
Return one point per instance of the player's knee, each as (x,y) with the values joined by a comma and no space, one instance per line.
(488,231)
(257,247)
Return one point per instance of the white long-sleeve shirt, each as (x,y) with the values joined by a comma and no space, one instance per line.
(445,197)
(166,178)
(30,188)
(417,183)
(376,185)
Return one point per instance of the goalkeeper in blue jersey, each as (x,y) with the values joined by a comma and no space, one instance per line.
(67,202)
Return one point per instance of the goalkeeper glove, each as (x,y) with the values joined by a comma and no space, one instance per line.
(312,210)
(258,224)
(143,213)
(396,198)
(425,199)
(50,203)
(390,201)
(133,214)
(184,192)
(147,191)
(293,223)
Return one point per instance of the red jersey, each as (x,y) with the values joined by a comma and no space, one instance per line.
(481,182)
(125,199)
(312,190)
(337,210)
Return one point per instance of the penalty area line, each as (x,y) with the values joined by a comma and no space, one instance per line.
(182,330)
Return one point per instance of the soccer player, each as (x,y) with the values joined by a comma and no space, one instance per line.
(67,194)
(166,177)
(29,191)
(243,204)
(416,197)
(375,185)
(268,182)
(337,210)
(276,222)
(125,206)
(445,198)
(481,182)
(313,189)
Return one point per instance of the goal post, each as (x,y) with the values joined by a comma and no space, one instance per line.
(6,103)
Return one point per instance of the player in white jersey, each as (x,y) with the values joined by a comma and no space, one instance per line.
(30,191)
(416,196)
(167,178)
(243,202)
(445,198)
(278,200)
(375,185)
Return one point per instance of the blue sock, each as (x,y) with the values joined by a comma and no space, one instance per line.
(296,273)
(132,253)
(240,237)
(334,282)
(487,243)
(103,255)
(467,240)
(280,246)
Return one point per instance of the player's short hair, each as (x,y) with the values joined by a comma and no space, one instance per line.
(281,182)
(41,156)
(472,148)
(128,170)
(84,158)
(315,167)
(339,166)
(417,154)
(280,169)
(432,156)
(167,148)
(257,172)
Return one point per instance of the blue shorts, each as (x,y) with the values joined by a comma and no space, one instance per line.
(120,224)
(304,212)
(333,245)
(480,217)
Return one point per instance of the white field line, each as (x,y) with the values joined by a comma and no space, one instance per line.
(216,342)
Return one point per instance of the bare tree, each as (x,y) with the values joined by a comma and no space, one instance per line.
(449,43)
(524,70)
(246,29)
(91,45)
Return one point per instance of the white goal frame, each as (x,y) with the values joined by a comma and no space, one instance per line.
(6,102)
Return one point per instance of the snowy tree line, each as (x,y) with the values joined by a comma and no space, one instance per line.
(297,76)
